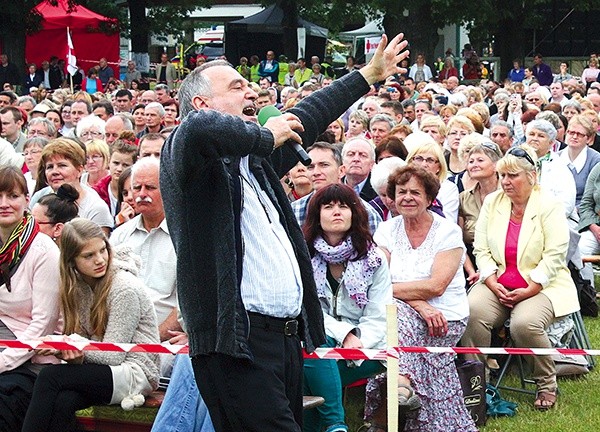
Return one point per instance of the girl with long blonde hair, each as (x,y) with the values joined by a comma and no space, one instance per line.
(102,300)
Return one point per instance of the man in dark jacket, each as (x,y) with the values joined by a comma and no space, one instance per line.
(542,71)
(244,275)
(9,73)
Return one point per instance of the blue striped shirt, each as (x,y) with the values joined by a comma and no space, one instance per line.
(271,282)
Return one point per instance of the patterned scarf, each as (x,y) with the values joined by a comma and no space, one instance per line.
(16,247)
(357,273)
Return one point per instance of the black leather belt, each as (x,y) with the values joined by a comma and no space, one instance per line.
(286,326)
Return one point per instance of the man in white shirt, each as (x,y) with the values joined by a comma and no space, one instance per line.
(558,94)
(148,235)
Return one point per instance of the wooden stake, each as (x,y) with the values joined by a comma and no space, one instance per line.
(392,368)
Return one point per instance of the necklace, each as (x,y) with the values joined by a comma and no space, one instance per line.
(516,215)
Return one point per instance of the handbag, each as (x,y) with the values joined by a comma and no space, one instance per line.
(472,381)
(496,406)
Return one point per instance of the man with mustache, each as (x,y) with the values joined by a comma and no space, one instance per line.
(247,293)
(147,234)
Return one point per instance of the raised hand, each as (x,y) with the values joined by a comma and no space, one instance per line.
(386,59)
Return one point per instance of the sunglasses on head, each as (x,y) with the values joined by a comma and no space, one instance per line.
(520,153)
(491,146)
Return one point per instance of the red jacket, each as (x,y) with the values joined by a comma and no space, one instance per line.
(98,85)
(102,188)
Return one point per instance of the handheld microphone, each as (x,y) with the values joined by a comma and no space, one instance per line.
(269,111)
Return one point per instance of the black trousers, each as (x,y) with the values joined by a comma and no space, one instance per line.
(16,387)
(60,390)
(264,395)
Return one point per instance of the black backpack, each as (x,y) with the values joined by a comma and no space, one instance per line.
(585,292)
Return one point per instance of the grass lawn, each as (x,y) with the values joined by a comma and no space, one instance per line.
(578,408)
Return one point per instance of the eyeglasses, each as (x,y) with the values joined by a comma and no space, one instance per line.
(95,157)
(576,134)
(32,152)
(520,153)
(499,134)
(89,134)
(428,160)
(34,133)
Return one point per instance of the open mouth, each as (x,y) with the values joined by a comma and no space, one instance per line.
(249,111)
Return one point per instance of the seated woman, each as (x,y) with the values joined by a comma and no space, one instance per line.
(29,296)
(553,174)
(353,284)
(481,166)
(102,300)
(579,155)
(53,211)
(426,256)
(62,162)
(458,128)
(521,241)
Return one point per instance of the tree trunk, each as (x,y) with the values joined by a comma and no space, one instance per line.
(290,27)
(417,27)
(13,33)
(139,26)
(510,43)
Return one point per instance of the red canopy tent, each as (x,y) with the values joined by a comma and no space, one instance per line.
(89,42)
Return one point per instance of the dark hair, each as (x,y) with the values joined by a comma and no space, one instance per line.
(104,104)
(12,179)
(18,113)
(335,150)
(359,228)
(396,106)
(393,145)
(55,111)
(171,102)
(400,177)
(61,206)
(326,136)
(137,107)
(123,92)
(11,95)
(121,186)
(528,116)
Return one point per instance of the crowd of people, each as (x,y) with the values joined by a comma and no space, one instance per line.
(169,215)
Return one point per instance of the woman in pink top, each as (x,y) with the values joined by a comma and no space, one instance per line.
(29,297)
(521,241)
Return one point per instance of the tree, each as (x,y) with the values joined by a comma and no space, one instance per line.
(15,20)
(165,17)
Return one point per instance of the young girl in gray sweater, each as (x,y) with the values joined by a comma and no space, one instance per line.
(102,300)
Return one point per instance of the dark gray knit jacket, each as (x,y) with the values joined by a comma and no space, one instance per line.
(201,191)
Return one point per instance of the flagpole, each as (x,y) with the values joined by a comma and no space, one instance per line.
(70,76)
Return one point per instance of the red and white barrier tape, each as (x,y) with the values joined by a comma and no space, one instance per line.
(320,353)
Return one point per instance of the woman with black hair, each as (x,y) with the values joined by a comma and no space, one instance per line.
(53,211)
(353,284)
